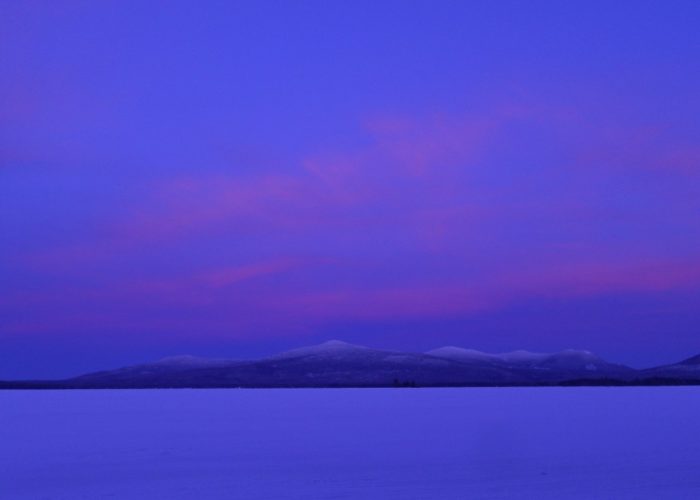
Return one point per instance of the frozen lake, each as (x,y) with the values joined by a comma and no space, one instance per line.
(587,443)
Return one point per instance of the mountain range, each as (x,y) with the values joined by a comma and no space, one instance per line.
(339,364)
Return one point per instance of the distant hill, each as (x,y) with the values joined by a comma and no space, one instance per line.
(331,364)
(339,364)
(543,367)
(688,369)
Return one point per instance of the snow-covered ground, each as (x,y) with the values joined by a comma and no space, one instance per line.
(533,443)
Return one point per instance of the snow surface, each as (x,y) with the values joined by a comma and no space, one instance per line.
(617,443)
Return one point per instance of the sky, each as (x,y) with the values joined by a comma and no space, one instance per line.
(231,179)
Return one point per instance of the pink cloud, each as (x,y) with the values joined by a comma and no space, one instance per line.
(191,203)
(684,160)
(237,302)
(406,195)
(389,174)
(229,276)
(419,147)
(632,147)
(602,278)
(156,304)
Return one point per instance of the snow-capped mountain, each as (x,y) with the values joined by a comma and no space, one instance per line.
(330,349)
(469,355)
(339,364)
(563,365)
(331,364)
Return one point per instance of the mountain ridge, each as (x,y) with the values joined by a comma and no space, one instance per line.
(340,364)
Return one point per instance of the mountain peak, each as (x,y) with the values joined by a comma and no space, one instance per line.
(328,348)
(569,358)
(335,344)
(576,352)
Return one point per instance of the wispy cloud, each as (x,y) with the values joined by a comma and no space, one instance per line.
(429,217)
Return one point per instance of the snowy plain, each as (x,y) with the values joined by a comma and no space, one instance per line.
(469,443)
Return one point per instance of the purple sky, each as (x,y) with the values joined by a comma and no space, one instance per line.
(234,178)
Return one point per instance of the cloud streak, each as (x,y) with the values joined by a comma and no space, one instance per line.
(428,218)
